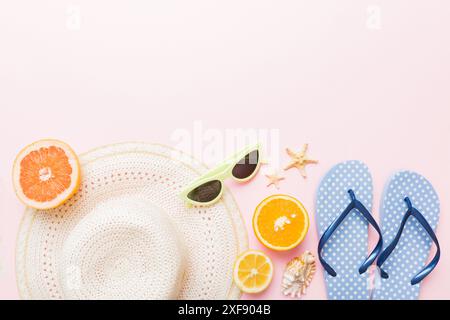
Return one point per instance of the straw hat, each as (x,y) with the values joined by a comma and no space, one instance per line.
(128,235)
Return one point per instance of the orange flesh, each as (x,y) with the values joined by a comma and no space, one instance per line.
(45,173)
(284,209)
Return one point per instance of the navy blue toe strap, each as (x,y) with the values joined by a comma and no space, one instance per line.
(354,204)
(387,252)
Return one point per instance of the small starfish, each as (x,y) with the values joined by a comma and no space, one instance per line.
(274,179)
(299,160)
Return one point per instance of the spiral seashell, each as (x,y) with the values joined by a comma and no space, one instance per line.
(298,275)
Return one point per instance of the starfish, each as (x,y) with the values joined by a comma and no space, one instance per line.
(274,179)
(299,160)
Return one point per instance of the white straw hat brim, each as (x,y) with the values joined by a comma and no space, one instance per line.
(89,249)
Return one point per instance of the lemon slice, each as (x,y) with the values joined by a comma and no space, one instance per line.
(253,271)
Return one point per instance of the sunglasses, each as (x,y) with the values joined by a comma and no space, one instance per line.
(208,189)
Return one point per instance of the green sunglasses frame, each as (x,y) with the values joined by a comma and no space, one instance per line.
(220,173)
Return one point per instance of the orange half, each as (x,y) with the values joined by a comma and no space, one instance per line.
(280,222)
(46,174)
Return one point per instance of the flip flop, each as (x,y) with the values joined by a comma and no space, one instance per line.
(409,216)
(344,199)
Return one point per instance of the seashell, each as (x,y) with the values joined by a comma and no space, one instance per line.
(298,275)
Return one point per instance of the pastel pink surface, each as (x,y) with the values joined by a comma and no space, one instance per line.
(313,70)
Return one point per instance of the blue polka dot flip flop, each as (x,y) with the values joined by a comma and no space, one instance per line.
(409,216)
(343,204)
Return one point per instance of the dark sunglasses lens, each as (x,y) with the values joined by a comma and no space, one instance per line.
(246,166)
(206,192)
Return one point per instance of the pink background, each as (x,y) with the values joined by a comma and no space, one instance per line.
(138,70)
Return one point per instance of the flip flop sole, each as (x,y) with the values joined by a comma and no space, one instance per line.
(347,248)
(413,249)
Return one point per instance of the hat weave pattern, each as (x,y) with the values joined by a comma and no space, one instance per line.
(128,235)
